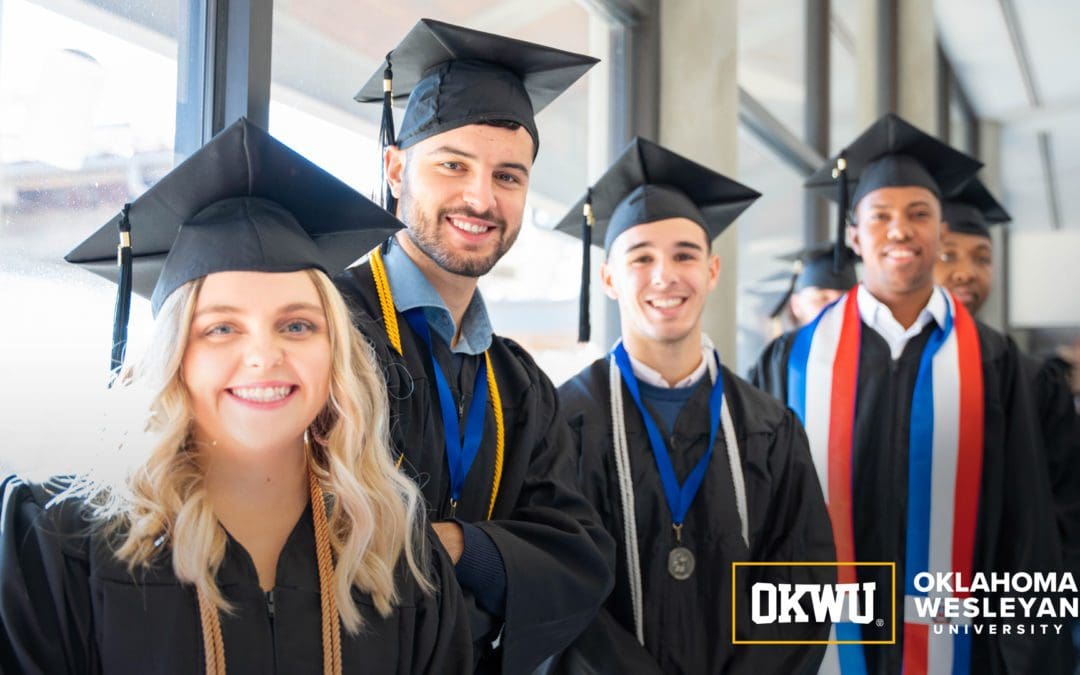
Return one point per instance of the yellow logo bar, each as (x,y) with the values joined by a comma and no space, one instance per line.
(892,601)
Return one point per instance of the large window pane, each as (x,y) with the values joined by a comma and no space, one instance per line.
(325,50)
(771,227)
(772,46)
(87,99)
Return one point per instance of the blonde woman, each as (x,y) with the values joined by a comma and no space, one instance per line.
(263,526)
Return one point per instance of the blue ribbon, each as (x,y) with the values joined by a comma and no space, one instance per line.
(679,497)
(459,454)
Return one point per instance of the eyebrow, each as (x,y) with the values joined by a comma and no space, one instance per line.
(451,150)
(880,205)
(681,244)
(231,309)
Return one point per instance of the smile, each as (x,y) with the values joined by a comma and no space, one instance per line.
(469,226)
(666,303)
(900,254)
(262,394)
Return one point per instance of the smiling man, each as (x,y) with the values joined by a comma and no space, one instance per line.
(690,467)
(476,422)
(966,267)
(919,420)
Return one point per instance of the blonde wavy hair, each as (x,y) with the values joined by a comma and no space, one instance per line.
(376,513)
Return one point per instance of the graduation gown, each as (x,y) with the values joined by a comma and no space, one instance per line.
(1015,523)
(687,624)
(1060,426)
(67,605)
(555,553)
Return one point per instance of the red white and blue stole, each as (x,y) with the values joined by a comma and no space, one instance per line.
(945,451)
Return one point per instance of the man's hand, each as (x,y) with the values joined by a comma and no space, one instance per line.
(452,538)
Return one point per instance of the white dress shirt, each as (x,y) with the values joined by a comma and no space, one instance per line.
(649,376)
(880,318)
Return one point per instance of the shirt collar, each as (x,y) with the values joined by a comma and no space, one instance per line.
(880,318)
(649,376)
(411,289)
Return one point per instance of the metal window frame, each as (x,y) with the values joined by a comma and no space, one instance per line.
(223,68)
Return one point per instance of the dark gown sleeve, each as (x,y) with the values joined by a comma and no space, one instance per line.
(45,612)
(1060,427)
(557,555)
(1027,537)
(443,643)
(606,647)
(796,529)
(769,374)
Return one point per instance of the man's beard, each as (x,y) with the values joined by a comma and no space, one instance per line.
(428,237)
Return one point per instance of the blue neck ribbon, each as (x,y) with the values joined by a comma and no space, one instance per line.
(679,497)
(460,454)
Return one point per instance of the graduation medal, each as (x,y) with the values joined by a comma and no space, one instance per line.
(680,563)
(679,497)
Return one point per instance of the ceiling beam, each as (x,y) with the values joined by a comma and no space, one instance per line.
(1020,50)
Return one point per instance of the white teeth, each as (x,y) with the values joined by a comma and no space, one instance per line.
(261,394)
(901,254)
(467,227)
(666,303)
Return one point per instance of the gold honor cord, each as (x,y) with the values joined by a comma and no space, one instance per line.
(389,312)
(214,644)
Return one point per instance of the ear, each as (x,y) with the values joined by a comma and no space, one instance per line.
(607,282)
(853,238)
(394,168)
(714,271)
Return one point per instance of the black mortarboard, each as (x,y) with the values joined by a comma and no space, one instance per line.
(813,267)
(244,201)
(645,184)
(890,153)
(454,76)
(973,209)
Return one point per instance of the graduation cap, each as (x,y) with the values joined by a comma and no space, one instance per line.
(645,184)
(973,209)
(242,202)
(890,153)
(454,76)
(812,267)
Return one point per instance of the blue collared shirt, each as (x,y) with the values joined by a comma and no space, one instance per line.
(411,289)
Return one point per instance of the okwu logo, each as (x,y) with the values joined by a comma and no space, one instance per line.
(794,603)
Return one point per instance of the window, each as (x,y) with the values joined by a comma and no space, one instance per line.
(88,99)
(324,51)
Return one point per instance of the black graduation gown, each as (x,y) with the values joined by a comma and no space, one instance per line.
(1015,529)
(1060,426)
(687,624)
(556,555)
(68,606)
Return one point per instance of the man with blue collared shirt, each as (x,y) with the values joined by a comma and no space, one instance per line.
(920,424)
(474,419)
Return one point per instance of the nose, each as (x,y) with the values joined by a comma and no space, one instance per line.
(263,351)
(479,194)
(899,228)
(662,273)
(962,271)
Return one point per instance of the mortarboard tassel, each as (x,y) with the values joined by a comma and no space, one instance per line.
(386,134)
(123,293)
(587,222)
(840,250)
(790,290)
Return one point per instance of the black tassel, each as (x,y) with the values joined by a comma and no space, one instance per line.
(386,134)
(789,292)
(840,250)
(587,222)
(123,293)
